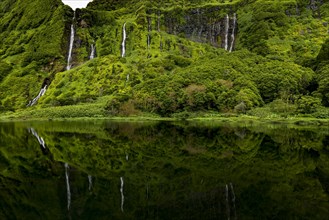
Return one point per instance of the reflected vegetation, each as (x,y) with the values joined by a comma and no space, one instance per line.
(163,170)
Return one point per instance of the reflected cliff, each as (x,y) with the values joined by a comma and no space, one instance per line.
(163,170)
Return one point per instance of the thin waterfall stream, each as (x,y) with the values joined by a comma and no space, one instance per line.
(69,57)
(226,32)
(92,53)
(41,93)
(233,33)
(124,37)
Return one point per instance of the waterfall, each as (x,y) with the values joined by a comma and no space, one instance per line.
(121,191)
(90,180)
(41,93)
(124,36)
(68,190)
(92,53)
(127,157)
(226,32)
(69,57)
(233,32)
(40,139)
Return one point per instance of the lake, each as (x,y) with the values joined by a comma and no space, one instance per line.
(163,170)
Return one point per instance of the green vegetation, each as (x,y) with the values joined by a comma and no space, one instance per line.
(279,66)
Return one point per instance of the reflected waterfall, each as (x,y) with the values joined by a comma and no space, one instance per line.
(40,139)
(228,212)
(90,180)
(68,190)
(233,200)
(121,191)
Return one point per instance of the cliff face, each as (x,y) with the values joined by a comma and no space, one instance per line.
(161,38)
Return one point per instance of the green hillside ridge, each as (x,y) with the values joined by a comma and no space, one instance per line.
(175,63)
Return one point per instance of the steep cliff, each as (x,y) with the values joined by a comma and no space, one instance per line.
(164,57)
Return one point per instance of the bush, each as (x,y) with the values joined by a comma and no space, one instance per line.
(282,108)
(240,108)
(321,112)
(308,104)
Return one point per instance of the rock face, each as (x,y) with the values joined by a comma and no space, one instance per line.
(205,25)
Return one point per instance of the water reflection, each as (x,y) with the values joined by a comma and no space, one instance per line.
(68,188)
(171,171)
(121,191)
(40,139)
(90,181)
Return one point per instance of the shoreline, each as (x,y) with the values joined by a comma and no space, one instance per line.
(301,121)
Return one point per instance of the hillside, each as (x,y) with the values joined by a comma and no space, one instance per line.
(169,58)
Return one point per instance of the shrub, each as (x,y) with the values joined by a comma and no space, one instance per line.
(308,104)
(240,108)
(282,108)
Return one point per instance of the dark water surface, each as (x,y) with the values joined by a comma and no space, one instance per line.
(163,170)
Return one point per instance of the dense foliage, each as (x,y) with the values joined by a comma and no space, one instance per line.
(174,62)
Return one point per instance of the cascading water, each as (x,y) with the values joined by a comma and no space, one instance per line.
(121,191)
(40,139)
(233,32)
(68,190)
(92,53)
(127,157)
(69,57)
(227,25)
(41,93)
(124,36)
